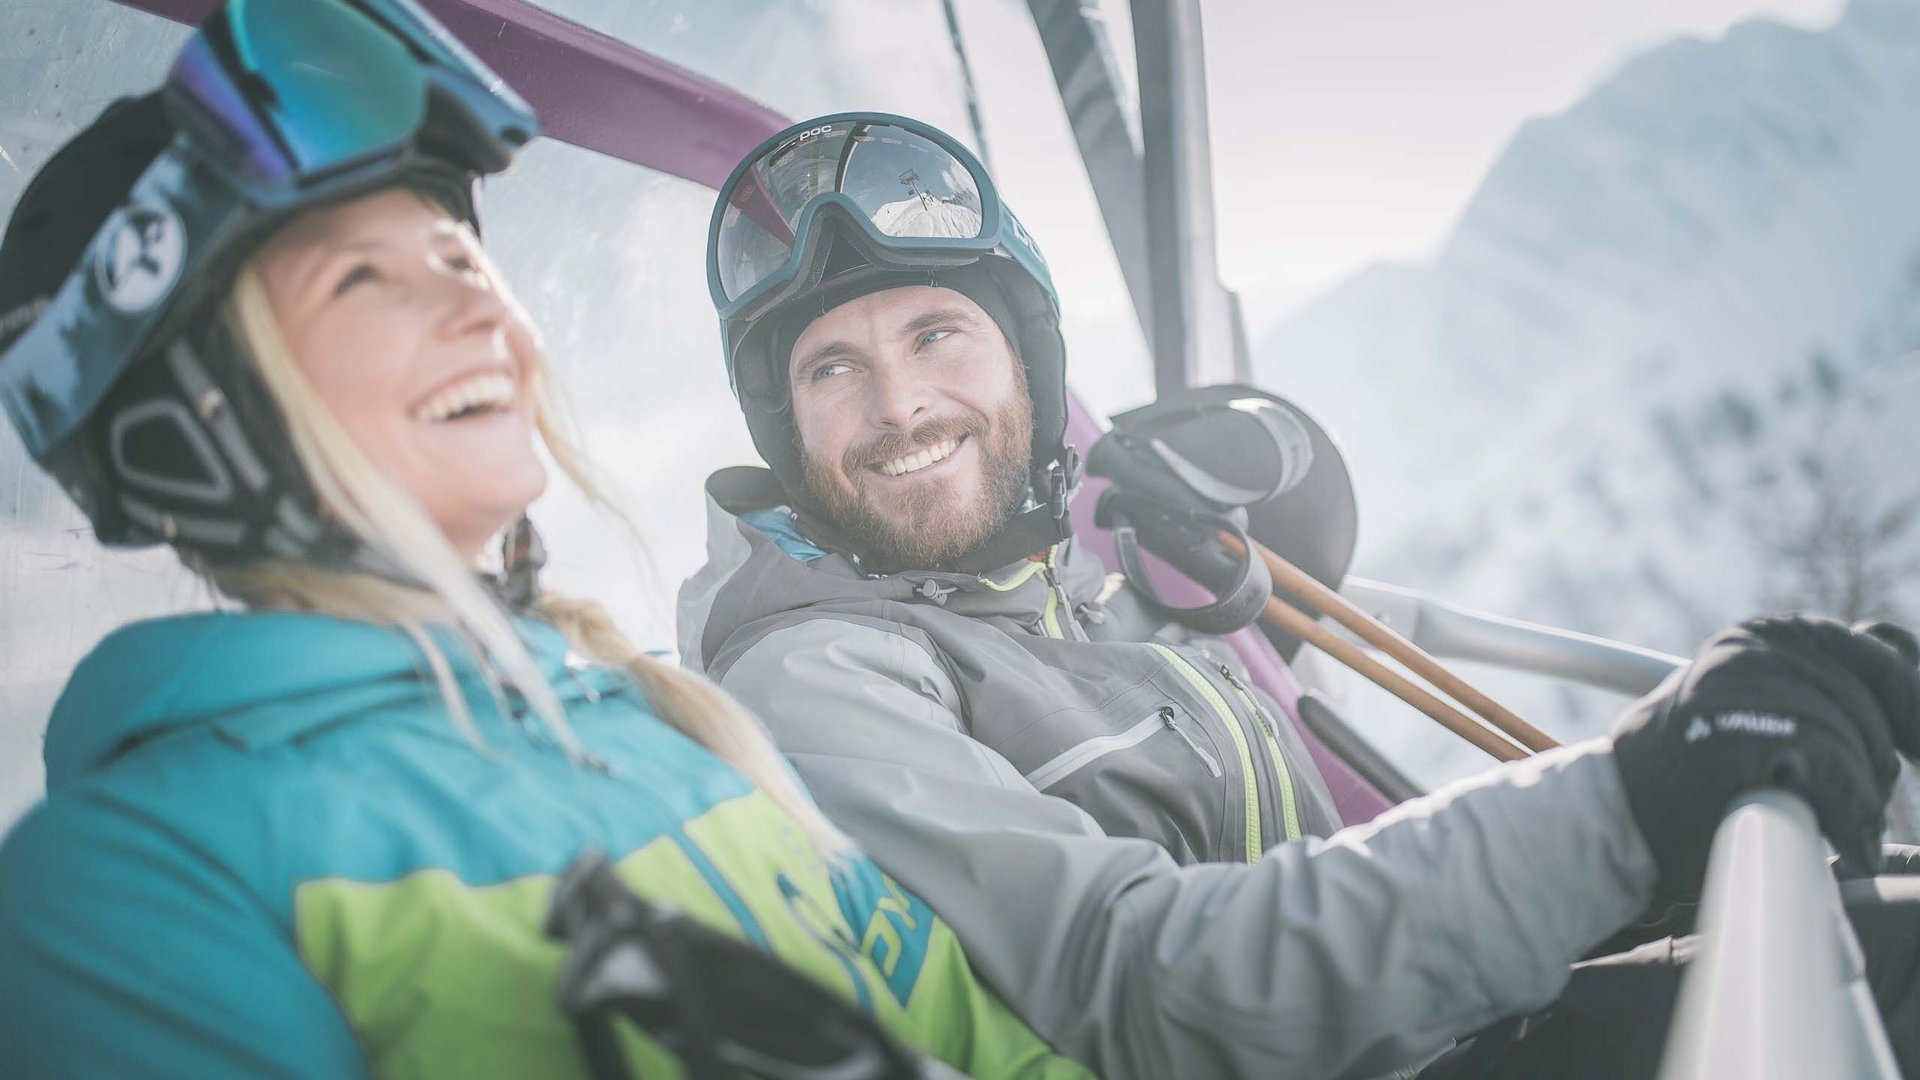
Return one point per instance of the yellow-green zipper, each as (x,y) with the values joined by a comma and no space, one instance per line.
(1018,579)
(1249,775)
(1050,618)
(1288,812)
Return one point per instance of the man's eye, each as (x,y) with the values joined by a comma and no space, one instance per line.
(358,275)
(932,336)
(827,371)
(465,264)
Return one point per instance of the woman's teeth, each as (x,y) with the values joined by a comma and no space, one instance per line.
(916,462)
(481,393)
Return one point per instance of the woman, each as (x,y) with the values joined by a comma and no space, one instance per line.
(320,835)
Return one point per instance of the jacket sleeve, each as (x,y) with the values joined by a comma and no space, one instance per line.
(123,953)
(1349,956)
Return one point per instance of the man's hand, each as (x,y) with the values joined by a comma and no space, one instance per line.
(1804,704)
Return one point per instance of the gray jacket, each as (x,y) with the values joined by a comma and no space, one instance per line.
(1156,733)
(912,707)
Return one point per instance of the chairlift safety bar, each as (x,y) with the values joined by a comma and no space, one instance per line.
(1456,633)
(1779,989)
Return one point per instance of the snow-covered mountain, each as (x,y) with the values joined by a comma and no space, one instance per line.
(1664,372)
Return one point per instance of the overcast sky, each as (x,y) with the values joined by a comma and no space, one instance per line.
(1352,131)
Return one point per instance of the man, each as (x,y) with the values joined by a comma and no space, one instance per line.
(899,599)
(915,430)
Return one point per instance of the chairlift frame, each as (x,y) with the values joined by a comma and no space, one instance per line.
(1773,995)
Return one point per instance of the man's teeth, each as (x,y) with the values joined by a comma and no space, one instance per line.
(916,462)
(489,392)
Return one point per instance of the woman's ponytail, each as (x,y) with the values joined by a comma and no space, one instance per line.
(696,706)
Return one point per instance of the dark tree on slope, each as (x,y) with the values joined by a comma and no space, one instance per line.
(1851,551)
(1848,554)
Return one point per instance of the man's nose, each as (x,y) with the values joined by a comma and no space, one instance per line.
(898,396)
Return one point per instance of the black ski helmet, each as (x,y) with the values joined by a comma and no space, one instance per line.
(115,368)
(846,205)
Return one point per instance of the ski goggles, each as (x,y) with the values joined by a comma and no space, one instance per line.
(280,104)
(918,198)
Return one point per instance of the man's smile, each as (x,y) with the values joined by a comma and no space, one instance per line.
(920,460)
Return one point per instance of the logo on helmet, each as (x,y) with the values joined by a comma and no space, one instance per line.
(140,260)
(1020,231)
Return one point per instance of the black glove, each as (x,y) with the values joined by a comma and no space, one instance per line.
(725,1008)
(1803,704)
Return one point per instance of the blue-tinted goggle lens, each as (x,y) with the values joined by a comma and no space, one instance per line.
(339,88)
(291,91)
(292,101)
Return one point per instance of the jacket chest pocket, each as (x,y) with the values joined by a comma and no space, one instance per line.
(1090,752)
(1159,776)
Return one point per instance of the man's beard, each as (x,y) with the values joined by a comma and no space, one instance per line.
(924,526)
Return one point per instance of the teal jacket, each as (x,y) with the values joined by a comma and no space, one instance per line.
(266,850)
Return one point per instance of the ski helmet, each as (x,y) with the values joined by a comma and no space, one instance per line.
(114,368)
(850,204)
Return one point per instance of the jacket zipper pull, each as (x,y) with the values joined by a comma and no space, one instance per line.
(1064,606)
(931,590)
(1258,713)
(1167,717)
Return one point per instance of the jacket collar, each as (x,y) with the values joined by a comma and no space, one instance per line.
(258,677)
(763,559)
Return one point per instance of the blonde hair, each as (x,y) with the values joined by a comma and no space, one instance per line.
(390,521)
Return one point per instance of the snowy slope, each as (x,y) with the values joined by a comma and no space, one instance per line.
(1662,374)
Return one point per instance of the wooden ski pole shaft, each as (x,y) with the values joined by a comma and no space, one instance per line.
(1296,581)
(1308,629)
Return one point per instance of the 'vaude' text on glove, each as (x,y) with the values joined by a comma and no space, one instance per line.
(1805,704)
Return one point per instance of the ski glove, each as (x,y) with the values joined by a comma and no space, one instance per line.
(1804,704)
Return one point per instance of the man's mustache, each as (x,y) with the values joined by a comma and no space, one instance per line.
(890,445)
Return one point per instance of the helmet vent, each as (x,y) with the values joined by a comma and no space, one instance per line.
(159,447)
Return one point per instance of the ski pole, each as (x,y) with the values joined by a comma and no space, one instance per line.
(1308,629)
(1317,596)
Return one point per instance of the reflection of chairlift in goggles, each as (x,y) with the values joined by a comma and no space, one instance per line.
(281,104)
(906,195)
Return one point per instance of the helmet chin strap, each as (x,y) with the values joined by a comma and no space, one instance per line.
(522,556)
(192,448)
(1041,523)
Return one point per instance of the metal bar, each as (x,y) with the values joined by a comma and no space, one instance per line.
(1350,746)
(1101,112)
(1193,335)
(1778,990)
(1457,633)
(666,118)
(966,81)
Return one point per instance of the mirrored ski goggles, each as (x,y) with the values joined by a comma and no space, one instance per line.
(909,185)
(280,104)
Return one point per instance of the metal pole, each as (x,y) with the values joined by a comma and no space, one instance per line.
(1778,991)
(1193,334)
(1100,112)
(1456,633)
(966,80)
